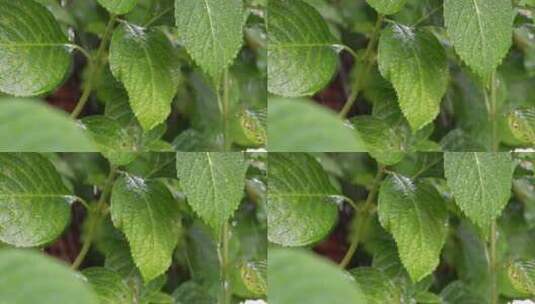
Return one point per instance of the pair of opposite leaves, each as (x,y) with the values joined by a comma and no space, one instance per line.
(35,52)
(302,203)
(35,204)
(302,51)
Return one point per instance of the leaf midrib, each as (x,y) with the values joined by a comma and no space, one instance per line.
(478,16)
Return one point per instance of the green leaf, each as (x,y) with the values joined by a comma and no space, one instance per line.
(254,276)
(146,212)
(118,7)
(301,204)
(213,184)
(312,128)
(31,125)
(33,57)
(302,59)
(153,165)
(415,62)
(383,142)
(377,286)
(522,124)
(296,276)
(112,140)
(191,292)
(522,275)
(29,277)
(387,7)
(211,31)
(145,61)
(481,32)
(34,202)
(108,285)
(416,215)
(480,183)
(458,292)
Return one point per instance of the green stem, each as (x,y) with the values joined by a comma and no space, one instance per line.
(493,266)
(95,68)
(355,90)
(225,112)
(223,252)
(493,112)
(94,218)
(364,215)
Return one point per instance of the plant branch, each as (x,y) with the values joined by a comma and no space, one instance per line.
(94,218)
(493,266)
(494,112)
(223,253)
(355,90)
(225,112)
(95,68)
(365,212)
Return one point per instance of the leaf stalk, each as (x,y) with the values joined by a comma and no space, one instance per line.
(223,253)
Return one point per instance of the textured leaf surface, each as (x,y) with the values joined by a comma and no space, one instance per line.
(32,126)
(383,142)
(522,275)
(417,217)
(33,56)
(481,31)
(211,31)
(301,57)
(296,276)
(108,285)
(113,141)
(118,7)
(481,184)
(145,62)
(34,203)
(300,125)
(301,200)
(522,124)
(213,183)
(29,277)
(146,212)
(377,286)
(415,62)
(387,7)
(254,277)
